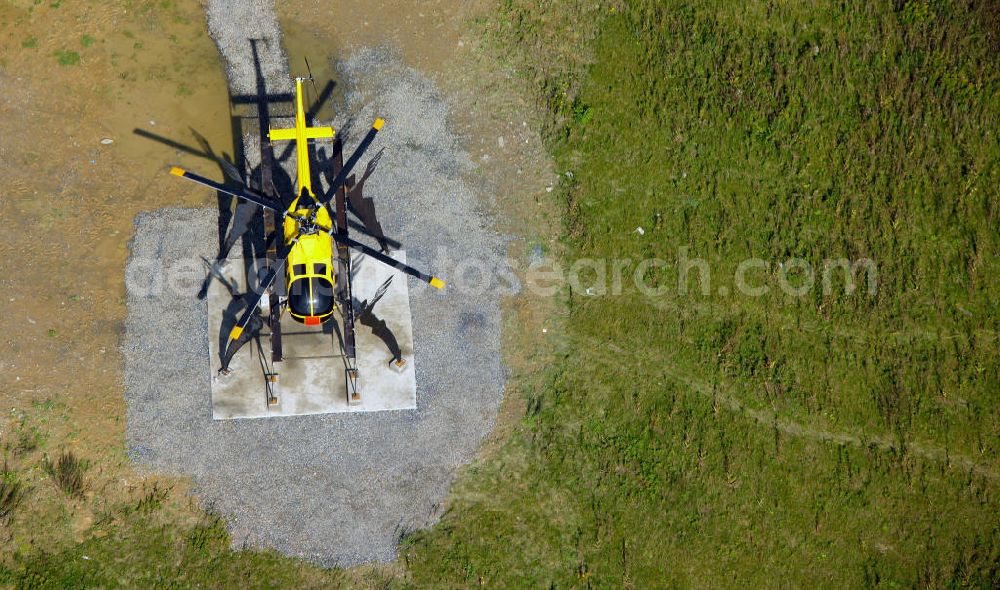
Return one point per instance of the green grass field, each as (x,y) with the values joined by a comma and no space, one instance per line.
(726,439)
(721,439)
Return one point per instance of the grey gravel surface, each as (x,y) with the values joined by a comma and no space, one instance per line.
(233,24)
(337,489)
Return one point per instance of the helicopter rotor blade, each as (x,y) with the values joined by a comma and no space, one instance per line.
(433,281)
(352,161)
(243,193)
(268,279)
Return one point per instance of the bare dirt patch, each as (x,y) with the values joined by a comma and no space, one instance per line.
(72,75)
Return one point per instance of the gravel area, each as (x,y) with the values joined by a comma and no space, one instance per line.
(336,489)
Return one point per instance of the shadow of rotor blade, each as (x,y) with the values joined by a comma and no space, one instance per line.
(206,151)
(171,143)
(364,208)
(230,316)
(214,272)
(241,99)
(250,332)
(228,168)
(324,95)
(364,230)
(381,330)
(205,284)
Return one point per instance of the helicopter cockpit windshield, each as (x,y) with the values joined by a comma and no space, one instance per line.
(311,297)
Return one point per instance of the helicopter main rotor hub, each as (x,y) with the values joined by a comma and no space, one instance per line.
(307,223)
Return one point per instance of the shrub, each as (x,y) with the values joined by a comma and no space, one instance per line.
(67,472)
(12,492)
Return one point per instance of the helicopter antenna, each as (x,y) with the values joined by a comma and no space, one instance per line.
(308,69)
(311,79)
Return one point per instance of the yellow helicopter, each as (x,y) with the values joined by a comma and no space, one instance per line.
(308,231)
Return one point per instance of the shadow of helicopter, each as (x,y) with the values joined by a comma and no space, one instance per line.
(364,314)
(367,317)
(237,304)
(362,207)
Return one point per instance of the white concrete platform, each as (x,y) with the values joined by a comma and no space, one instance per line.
(311,378)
